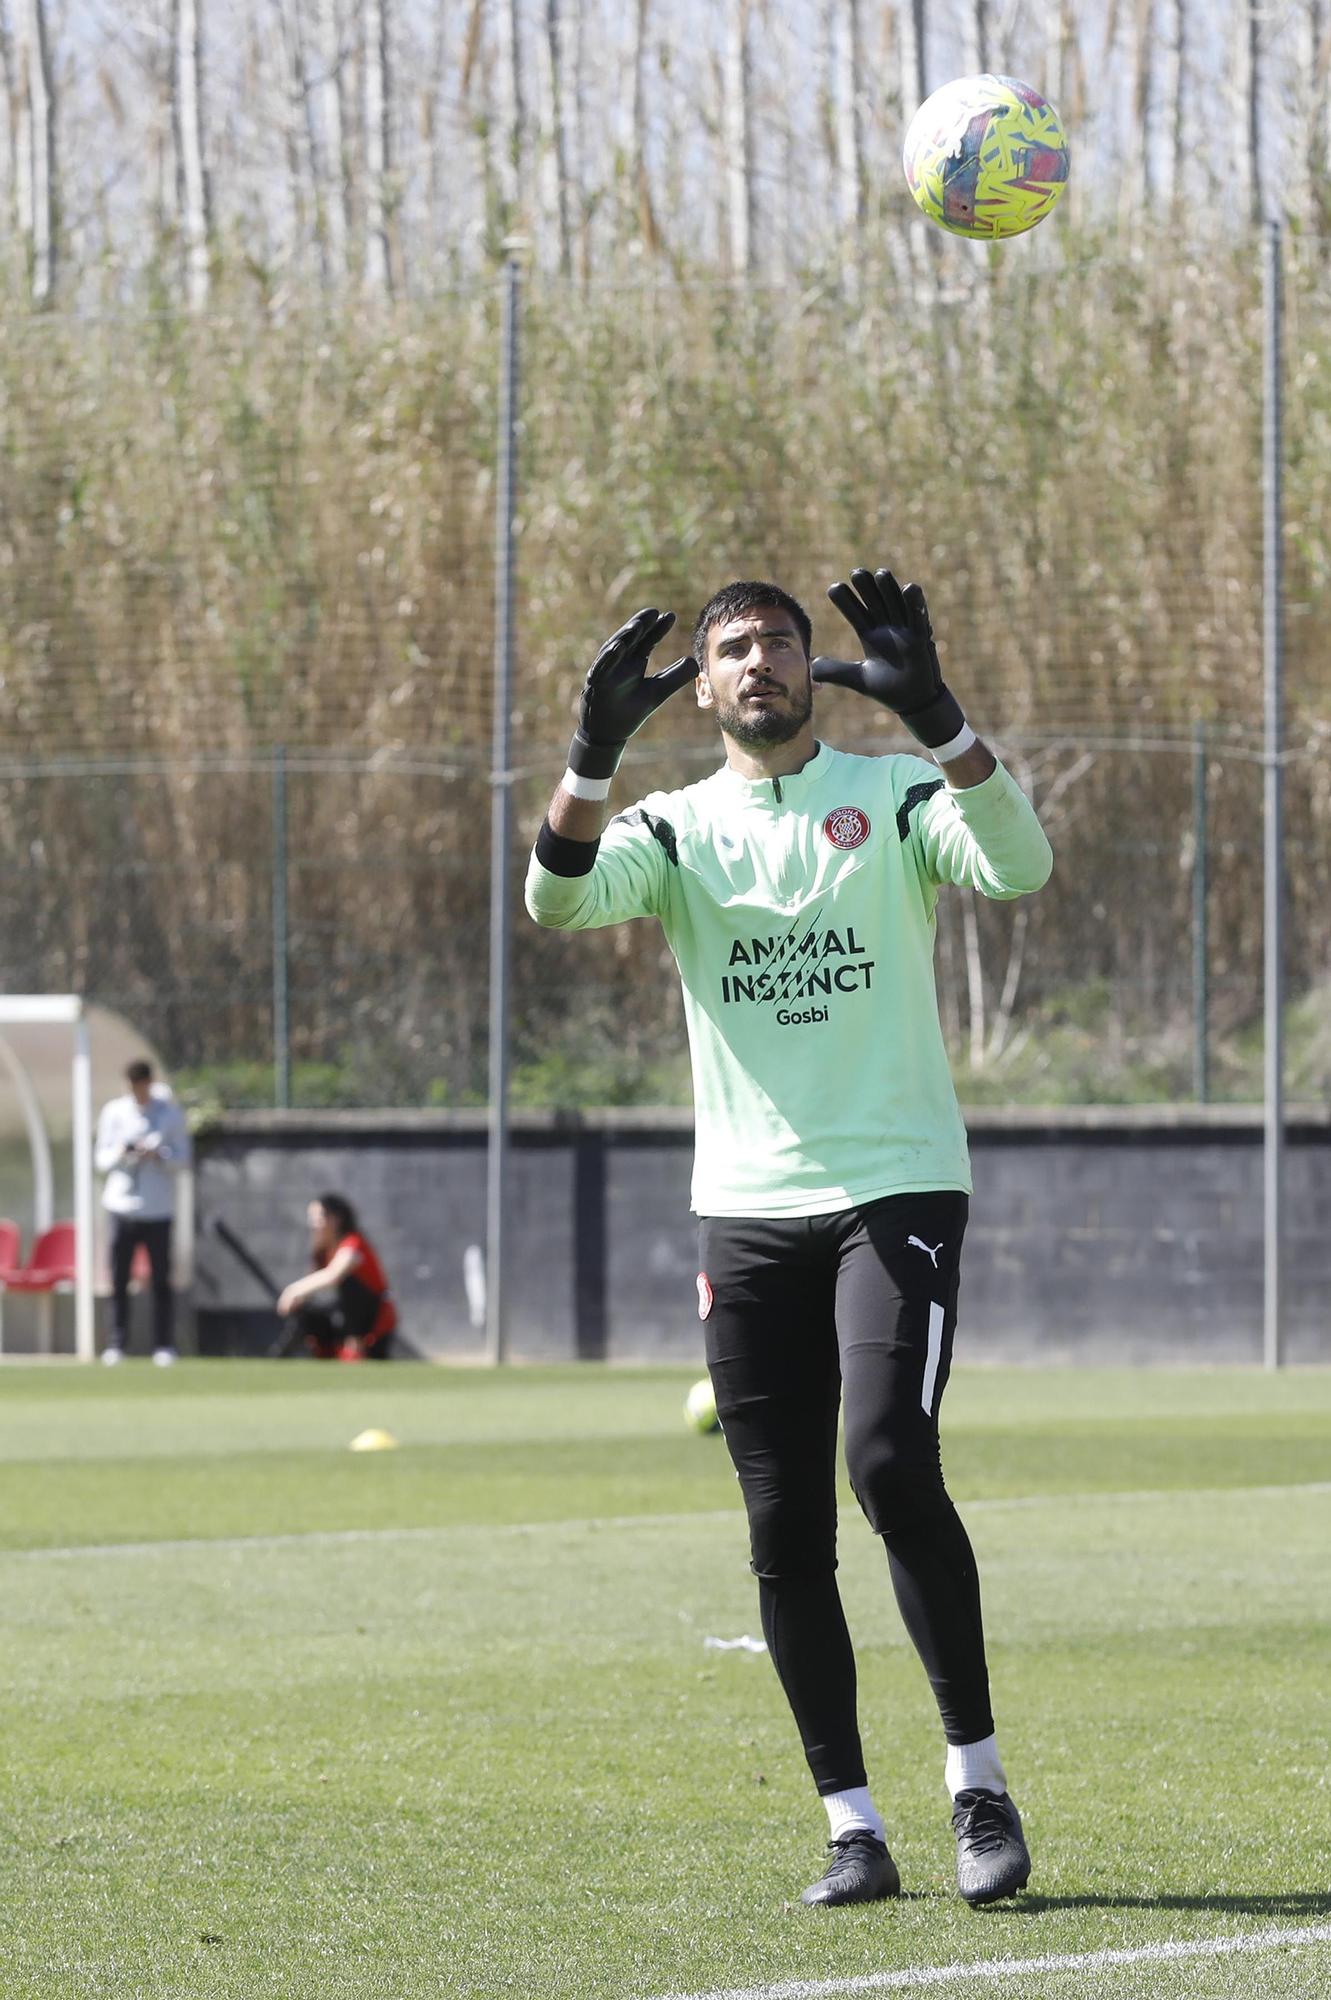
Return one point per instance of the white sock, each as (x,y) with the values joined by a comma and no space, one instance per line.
(974,1767)
(853,1811)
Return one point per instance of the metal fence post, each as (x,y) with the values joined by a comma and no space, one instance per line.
(501,817)
(1200,954)
(1272,831)
(281,991)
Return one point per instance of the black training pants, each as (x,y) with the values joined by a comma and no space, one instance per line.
(804,1314)
(154,1232)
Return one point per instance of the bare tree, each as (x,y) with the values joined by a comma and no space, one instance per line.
(34,126)
(737,131)
(572,23)
(376,127)
(914,64)
(922,250)
(1249,96)
(978,38)
(7,78)
(641,213)
(1174,93)
(298,129)
(556,194)
(843,20)
(160,69)
(513,137)
(331,164)
(433,129)
(188,120)
(1143,103)
(1312,110)
(478,98)
(1064,75)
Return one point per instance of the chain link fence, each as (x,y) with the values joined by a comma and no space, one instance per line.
(332,930)
(247,642)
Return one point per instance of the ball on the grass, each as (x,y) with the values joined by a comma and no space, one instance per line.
(700,1408)
(986,156)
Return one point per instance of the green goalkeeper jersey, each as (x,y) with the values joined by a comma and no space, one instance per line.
(800,911)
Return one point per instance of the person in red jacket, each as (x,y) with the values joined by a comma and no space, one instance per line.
(359,1324)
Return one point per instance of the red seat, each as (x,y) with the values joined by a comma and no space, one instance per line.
(51,1264)
(11,1248)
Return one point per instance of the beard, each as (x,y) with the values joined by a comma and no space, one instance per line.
(754,727)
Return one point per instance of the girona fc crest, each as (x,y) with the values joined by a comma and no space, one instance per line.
(847,827)
(705,1298)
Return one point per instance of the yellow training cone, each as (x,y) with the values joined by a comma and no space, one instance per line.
(374,1441)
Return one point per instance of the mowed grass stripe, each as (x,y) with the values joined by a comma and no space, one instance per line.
(191,1495)
(220,1409)
(338,1537)
(917,1978)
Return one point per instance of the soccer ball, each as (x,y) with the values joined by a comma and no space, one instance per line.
(700,1408)
(986,157)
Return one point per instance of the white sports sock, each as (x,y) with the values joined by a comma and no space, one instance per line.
(974,1767)
(852,1811)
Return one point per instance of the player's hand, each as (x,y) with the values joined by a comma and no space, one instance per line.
(287,1301)
(619,695)
(900,666)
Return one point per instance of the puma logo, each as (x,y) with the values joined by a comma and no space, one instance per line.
(932,1255)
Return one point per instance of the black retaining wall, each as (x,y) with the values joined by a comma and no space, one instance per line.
(1097,1234)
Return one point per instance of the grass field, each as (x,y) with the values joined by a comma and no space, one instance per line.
(286,1720)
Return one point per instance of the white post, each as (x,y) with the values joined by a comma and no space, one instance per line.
(39,1145)
(84,1342)
(501,823)
(1273,878)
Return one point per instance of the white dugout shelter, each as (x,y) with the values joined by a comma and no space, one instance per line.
(59,1059)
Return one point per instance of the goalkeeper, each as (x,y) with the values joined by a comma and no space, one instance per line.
(796,887)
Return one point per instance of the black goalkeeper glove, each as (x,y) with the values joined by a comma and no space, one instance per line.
(900,667)
(619,694)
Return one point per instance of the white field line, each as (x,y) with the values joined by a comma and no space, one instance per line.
(915,1978)
(338,1537)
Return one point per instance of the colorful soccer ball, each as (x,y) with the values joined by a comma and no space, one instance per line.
(986,157)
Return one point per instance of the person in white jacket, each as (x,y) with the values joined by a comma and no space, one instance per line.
(142,1143)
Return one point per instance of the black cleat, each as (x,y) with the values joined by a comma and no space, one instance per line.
(861,1871)
(992,1857)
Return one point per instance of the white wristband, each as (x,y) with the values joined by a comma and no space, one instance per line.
(594,789)
(944,753)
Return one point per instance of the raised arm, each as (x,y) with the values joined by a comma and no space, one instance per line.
(618,696)
(900,670)
(986,835)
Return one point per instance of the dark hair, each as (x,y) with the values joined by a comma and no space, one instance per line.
(340,1212)
(737,599)
(139,1072)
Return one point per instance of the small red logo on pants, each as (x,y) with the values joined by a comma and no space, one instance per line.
(705,1295)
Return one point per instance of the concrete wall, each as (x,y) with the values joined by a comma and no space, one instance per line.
(1114,1234)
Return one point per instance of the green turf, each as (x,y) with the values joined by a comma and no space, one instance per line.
(283,1719)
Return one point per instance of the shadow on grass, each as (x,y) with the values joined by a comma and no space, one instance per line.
(1295,1903)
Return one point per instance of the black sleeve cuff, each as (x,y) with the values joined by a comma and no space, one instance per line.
(563,856)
